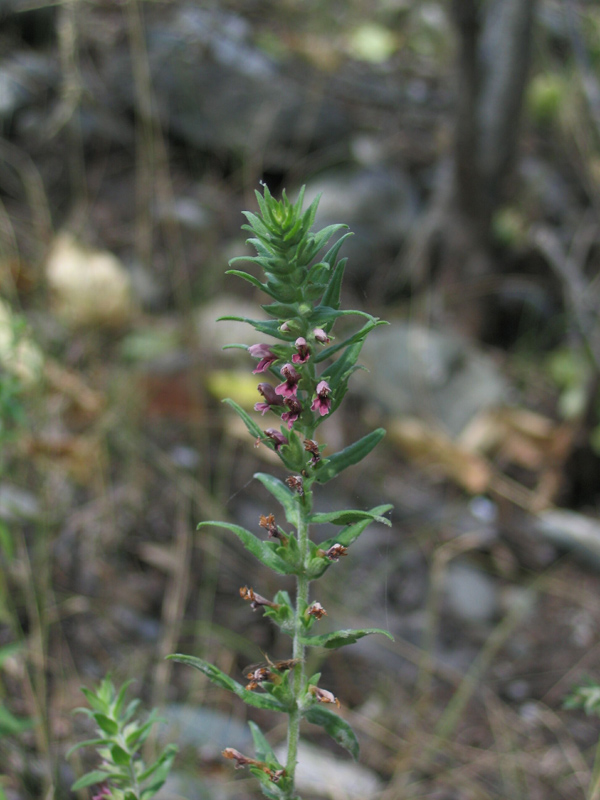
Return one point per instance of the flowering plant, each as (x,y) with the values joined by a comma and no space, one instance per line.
(311,375)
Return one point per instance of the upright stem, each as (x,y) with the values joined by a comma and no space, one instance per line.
(304,509)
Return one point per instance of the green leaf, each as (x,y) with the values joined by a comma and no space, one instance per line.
(87,743)
(262,748)
(335,726)
(221,679)
(358,336)
(348,456)
(164,760)
(269,326)
(11,725)
(252,427)
(251,279)
(263,551)
(347,517)
(349,535)
(281,310)
(120,756)
(341,638)
(120,701)
(96,703)
(332,294)
(282,494)
(106,724)
(89,779)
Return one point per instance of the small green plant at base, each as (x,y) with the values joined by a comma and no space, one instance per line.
(123,774)
(312,375)
(587,697)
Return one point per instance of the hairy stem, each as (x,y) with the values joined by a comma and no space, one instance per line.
(304,509)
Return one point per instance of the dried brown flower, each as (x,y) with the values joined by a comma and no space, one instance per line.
(323,696)
(335,552)
(256,600)
(296,484)
(315,610)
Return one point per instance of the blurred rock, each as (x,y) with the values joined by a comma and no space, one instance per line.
(433,375)
(89,287)
(17,504)
(574,532)
(323,774)
(25,80)
(378,203)
(471,595)
(220,93)
(208,730)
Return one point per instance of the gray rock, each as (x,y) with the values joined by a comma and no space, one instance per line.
(572,531)
(378,203)
(471,595)
(221,94)
(429,374)
(17,504)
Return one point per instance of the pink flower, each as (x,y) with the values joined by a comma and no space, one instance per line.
(271,399)
(103,793)
(321,336)
(303,354)
(295,409)
(322,402)
(289,388)
(277,438)
(265,354)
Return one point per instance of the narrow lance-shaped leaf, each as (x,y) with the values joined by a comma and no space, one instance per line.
(251,279)
(262,748)
(260,549)
(348,456)
(269,326)
(332,294)
(252,427)
(346,517)
(282,494)
(356,337)
(219,678)
(341,638)
(89,779)
(349,535)
(335,726)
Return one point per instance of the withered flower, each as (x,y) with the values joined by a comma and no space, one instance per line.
(323,696)
(296,484)
(335,552)
(242,761)
(294,410)
(313,448)
(256,600)
(315,610)
(268,523)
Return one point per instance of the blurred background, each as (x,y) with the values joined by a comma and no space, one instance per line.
(460,141)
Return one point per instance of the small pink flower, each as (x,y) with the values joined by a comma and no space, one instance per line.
(277,438)
(271,399)
(321,336)
(322,402)
(295,409)
(103,793)
(289,388)
(303,354)
(265,354)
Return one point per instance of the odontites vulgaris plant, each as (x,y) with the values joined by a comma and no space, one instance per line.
(304,376)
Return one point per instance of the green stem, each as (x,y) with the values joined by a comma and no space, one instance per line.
(304,509)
